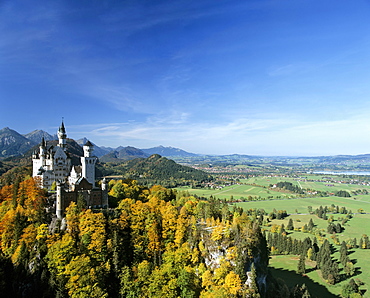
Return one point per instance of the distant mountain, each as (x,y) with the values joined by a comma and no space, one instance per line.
(12,143)
(74,150)
(37,135)
(123,153)
(167,151)
(98,151)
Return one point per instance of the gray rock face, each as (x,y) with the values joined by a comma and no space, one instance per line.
(12,143)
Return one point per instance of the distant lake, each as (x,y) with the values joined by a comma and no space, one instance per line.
(343,173)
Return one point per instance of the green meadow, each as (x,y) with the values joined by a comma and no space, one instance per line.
(237,191)
(285,266)
(301,204)
(259,187)
(308,182)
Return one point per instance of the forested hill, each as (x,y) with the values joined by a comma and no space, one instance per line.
(156,170)
(123,153)
(152,245)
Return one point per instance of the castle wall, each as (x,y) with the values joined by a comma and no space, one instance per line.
(53,165)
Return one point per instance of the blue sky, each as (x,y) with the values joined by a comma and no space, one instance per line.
(216,77)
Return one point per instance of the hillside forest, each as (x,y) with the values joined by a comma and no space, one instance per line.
(156,243)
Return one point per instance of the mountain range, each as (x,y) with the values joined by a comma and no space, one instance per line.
(13,143)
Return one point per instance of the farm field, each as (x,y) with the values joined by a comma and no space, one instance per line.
(308,183)
(259,187)
(285,266)
(301,204)
(237,191)
(297,208)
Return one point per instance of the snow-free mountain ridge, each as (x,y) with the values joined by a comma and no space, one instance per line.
(13,143)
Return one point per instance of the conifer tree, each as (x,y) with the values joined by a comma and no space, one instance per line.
(253,285)
(310,225)
(366,242)
(343,253)
(301,265)
(360,243)
(290,225)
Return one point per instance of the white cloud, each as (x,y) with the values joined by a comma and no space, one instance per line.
(244,136)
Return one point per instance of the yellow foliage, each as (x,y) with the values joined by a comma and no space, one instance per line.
(182,224)
(207,279)
(169,215)
(221,272)
(233,283)
(6,193)
(92,232)
(231,253)
(217,232)
(7,229)
(84,279)
(274,228)
(42,232)
(29,235)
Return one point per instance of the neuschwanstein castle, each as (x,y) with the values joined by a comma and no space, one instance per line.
(53,164)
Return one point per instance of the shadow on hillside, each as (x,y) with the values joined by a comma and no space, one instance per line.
(291,278)
(350,252)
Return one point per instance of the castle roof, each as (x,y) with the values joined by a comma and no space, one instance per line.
(88,143)
(62,128)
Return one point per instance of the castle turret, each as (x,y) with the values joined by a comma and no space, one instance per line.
(62,136)
(88,149)
(38,159)
(42,151)
(88,163)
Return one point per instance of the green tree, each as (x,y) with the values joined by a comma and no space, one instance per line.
(310,225)
(349,269)
(349,289)
(301,265)
(343,253)
(85,279)
(290,225)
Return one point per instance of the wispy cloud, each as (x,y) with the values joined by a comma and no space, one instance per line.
(249,136)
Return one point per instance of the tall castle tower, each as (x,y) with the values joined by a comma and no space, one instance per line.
(62,136)
(88,163)
(53,165)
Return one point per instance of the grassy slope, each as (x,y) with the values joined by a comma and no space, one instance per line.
(285,266)
(236,191)
(355,228)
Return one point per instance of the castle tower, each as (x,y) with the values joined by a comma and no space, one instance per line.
(62,136)
(38,159)
(88,163)
(59,205)
(42,152)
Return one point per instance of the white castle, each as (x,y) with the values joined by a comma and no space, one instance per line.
(53,165)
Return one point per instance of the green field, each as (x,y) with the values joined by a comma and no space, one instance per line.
(259,187)
(237,191)
(301,204)
(308,183)
(285,266)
